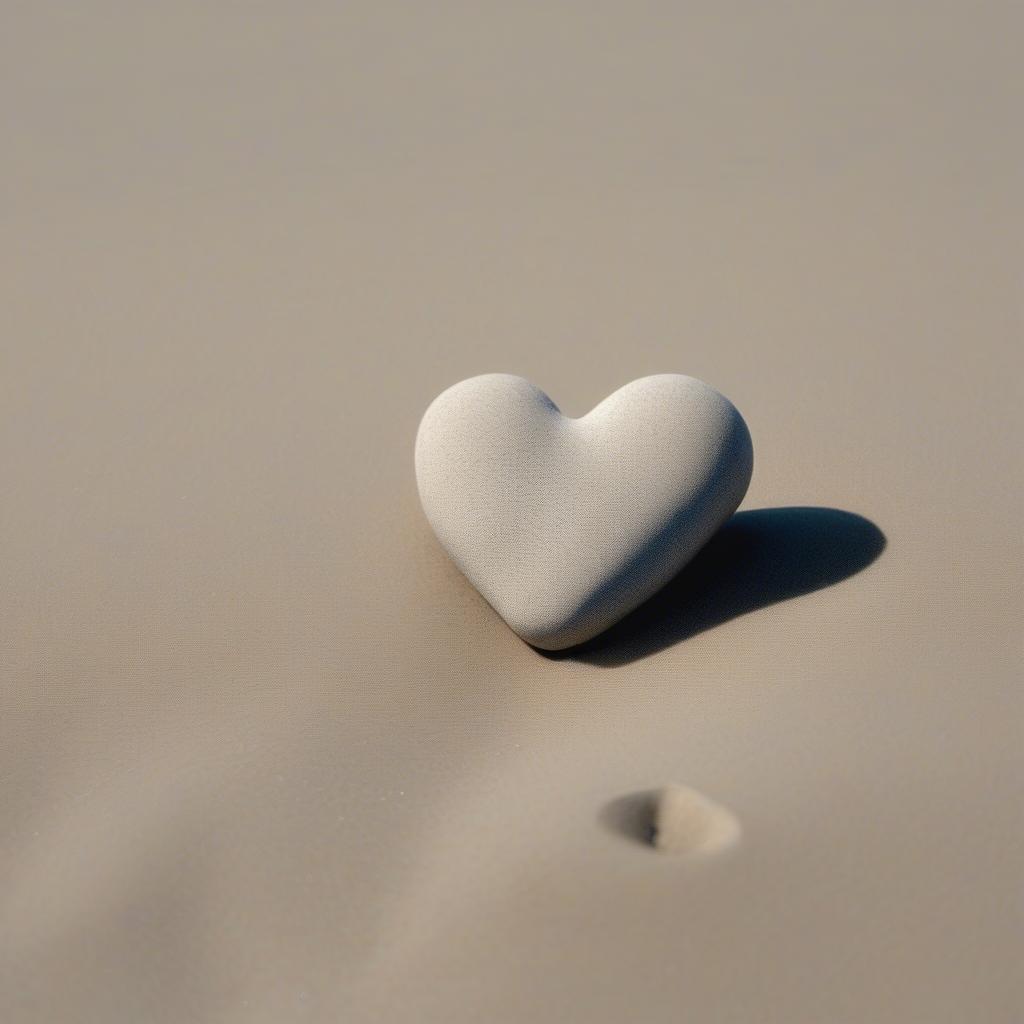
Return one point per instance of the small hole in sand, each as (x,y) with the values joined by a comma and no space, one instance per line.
(674,819)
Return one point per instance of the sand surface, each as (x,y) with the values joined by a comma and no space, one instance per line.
(264,754)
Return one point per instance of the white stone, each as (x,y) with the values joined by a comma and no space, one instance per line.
(565,525)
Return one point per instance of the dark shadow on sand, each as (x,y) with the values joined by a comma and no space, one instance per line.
(758,558)
(632,817)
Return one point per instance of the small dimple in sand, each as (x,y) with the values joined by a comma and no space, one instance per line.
(687,822)
(674,819)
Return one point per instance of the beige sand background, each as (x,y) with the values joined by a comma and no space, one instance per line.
(265,756)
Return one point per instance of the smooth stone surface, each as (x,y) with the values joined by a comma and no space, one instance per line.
(566,525)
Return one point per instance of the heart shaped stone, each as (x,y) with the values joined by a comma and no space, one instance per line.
(565,525)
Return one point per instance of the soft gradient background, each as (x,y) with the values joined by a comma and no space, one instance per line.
(265,755)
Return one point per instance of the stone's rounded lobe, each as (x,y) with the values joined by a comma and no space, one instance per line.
(566,525)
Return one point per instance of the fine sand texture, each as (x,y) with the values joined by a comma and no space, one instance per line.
(266,755)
